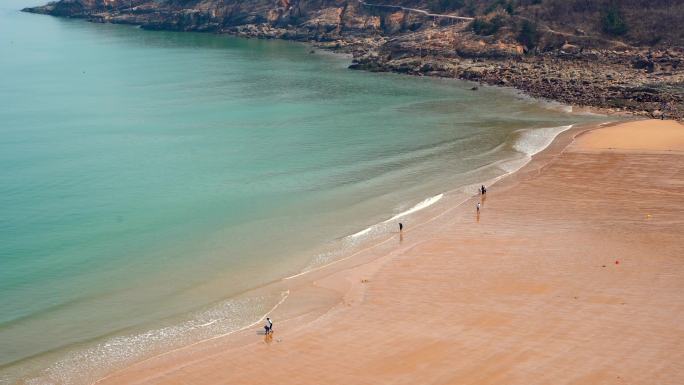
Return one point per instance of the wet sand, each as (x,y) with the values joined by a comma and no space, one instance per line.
(573,273)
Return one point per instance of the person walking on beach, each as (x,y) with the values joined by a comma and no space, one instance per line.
(269,326)
(478,207)
(401,227)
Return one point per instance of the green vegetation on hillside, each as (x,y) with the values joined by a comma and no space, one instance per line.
(636,22)
(528,35)
(613,22)
(446,5)
(483,27)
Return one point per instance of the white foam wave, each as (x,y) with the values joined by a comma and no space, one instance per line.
(419,206)
(426,203)
(362,232)
(84,366)
(532,141)
(351,242)
(512,165)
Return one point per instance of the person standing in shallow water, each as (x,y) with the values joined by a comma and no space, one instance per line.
(269,326)
(401,227)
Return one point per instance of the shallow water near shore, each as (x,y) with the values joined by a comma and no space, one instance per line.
(148,179)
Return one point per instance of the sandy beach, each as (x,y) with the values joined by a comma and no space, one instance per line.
(573,273)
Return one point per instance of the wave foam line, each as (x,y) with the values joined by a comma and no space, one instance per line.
(534,147)
(362,232)
(284,296)
(426,203)
(533,141)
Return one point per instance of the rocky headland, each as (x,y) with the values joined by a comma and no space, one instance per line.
(623,56)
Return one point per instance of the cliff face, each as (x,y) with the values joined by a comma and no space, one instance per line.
(321,19)
(585,22)
(613,54)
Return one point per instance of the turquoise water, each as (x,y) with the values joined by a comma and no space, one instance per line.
(147,178)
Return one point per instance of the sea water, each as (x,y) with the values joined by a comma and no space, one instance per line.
(149,178)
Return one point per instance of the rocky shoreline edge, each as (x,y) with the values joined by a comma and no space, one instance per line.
(574,69)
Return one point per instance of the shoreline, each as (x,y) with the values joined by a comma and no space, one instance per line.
(219,325)
(335,293)
(305,281)
(420,216)
(341,289)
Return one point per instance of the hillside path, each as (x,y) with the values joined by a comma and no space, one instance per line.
(426,13)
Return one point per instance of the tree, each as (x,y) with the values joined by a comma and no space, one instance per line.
(528,35)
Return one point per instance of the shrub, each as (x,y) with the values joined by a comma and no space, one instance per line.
(470,9)
(528,35)
(613,23)
(446,5)
(485,28)
(493,6)
(509,8)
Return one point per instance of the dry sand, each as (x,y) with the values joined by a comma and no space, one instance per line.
(572,274)
(643,135)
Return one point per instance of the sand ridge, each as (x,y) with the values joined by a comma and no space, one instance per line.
(573,273)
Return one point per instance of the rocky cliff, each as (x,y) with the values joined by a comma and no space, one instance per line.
(618,55)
